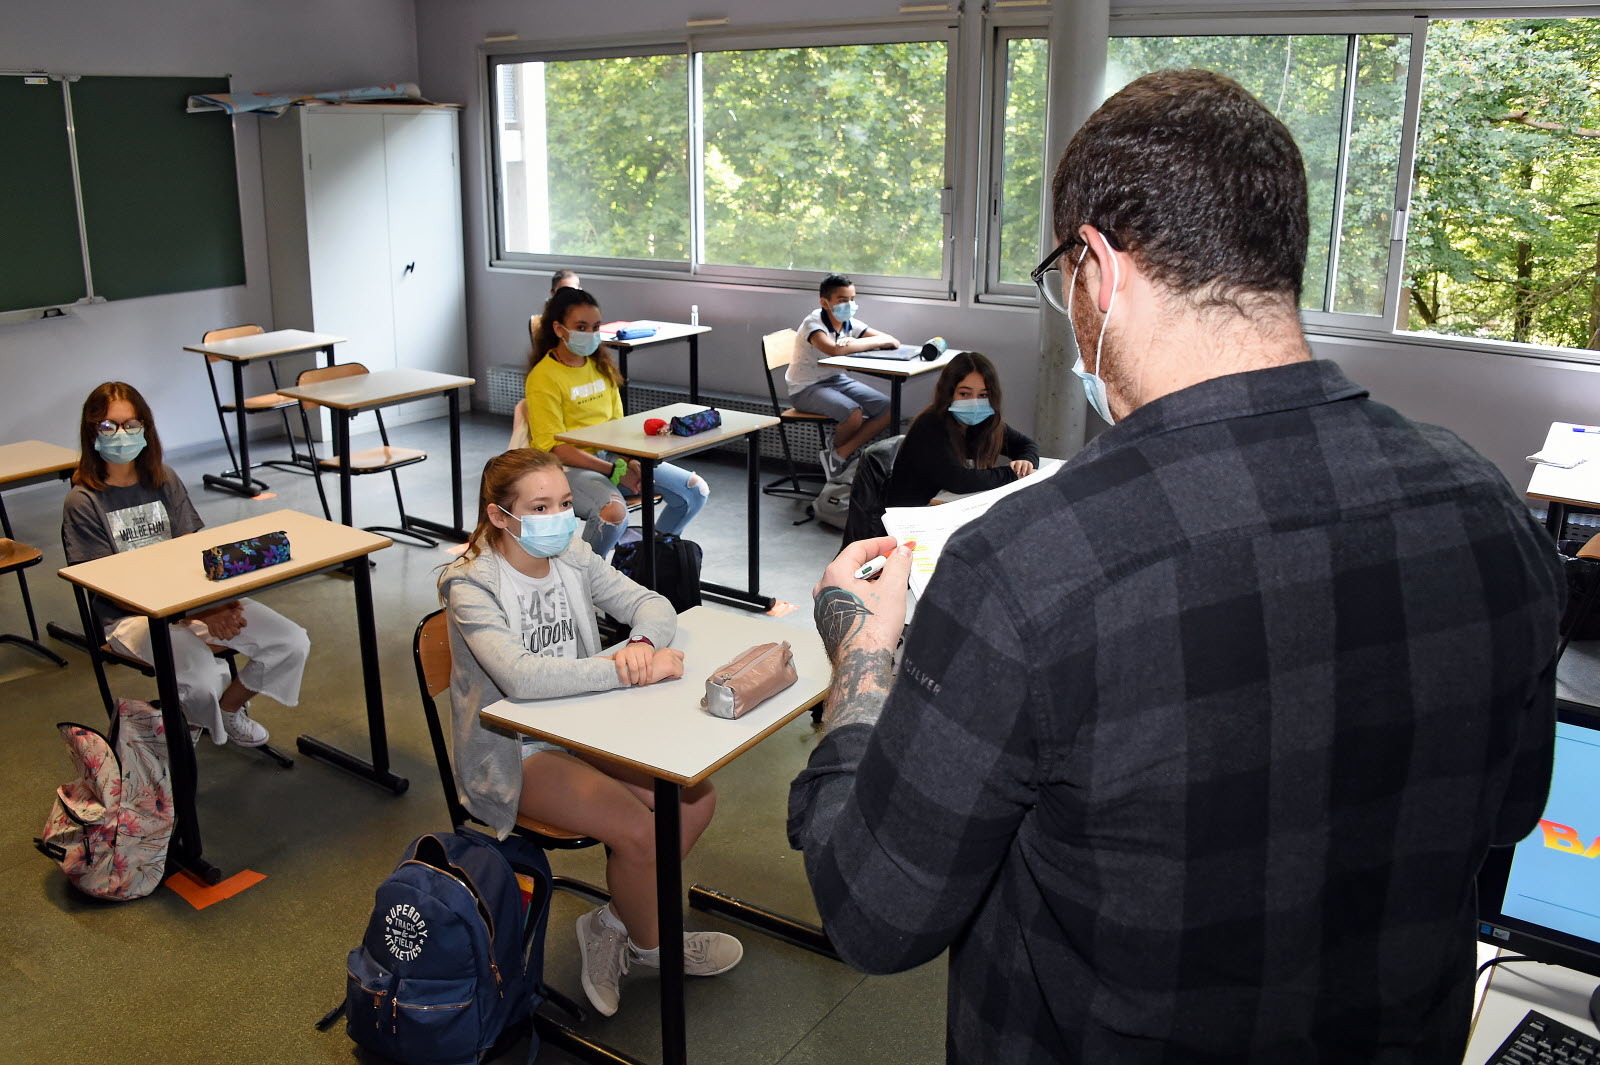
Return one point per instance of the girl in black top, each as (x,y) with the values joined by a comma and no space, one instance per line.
(956,444)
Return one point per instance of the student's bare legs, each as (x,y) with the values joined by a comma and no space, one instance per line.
(615,806)
(850,434)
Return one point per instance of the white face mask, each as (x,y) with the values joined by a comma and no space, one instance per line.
(1093,386)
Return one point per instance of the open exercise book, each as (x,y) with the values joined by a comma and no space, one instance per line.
(932,527)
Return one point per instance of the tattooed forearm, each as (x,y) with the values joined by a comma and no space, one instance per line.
(861,681)
(839,615)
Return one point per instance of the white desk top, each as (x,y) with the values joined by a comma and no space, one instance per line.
(1580,485)
(626,436)
(888,367)
(665,331)
(169,578)
(376,389)
(34,458)
(1514,989)
(266,345)
(660,728)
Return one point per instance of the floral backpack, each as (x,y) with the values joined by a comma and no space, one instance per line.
(110,827)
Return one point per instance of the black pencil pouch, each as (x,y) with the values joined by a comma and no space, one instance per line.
(699,422)
(245,556)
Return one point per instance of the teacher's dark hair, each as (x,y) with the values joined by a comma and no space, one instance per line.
(1193,176)
(91,471)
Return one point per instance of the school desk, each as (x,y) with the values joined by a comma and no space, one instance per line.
(665,332)
(237,353)
(166,582)
(895,371)
(1575,487)
(626,436)
(661,731)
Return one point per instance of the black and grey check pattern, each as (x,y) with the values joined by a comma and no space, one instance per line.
(1218,796)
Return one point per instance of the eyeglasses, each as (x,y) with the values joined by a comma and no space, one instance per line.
(1050,278)
(109,428)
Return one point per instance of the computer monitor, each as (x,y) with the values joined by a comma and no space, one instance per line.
(1541,898)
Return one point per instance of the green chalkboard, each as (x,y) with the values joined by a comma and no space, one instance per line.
(41,261)
(160,191)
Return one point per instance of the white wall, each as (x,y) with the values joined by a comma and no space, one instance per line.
(449,33)
(47,367)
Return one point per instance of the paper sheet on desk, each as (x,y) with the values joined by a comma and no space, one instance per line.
(932,527)
(1564,460)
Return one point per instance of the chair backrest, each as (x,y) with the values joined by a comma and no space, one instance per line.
(533,329)
(430,650)
(229,333)
(778,348)
(327,373)
(869,493)
(519,426)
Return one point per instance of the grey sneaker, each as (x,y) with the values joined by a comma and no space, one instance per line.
(604,953)
(705,954)
(243,729)
(829,462)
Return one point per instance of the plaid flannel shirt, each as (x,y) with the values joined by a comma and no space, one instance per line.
(1196,747)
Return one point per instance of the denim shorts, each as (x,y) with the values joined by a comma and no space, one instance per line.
(837,396)
(531,746)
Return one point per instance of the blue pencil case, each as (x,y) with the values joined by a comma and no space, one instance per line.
(636,332)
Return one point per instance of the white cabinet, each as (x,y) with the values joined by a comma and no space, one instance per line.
(363,211)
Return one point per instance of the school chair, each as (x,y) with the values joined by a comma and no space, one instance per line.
(385,459)
(534,321)
(1589,552)
(430,650)
(777,350)
(14,558)
(266,403)
(869,492)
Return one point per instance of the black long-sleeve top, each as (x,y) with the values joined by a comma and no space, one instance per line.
(927,463)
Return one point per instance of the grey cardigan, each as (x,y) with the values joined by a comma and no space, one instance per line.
(489,663)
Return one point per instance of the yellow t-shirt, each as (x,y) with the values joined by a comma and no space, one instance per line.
(561,398)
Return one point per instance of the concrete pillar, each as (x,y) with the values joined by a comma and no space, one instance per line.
(1079,30)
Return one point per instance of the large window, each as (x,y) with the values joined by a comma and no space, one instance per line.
(1504,239)
(1018,165)
(733,163)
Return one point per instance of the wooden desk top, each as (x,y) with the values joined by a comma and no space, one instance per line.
(266,345)
(376,389)
(1579,486)
(166,579)
(34,458)
(665,331)
(888,367)
(626,436)
(660,728)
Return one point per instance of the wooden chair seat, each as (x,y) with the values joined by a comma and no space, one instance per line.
(557,835)
(377,459)
(1590,550)
(792,415)
(15,555)
(266,401)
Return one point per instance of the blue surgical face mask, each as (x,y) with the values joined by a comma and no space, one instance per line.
(1093,386)
(846,311)
(971,411)
(124,446)
(584,344)
(543,535)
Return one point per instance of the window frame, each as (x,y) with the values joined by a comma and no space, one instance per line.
(991,188)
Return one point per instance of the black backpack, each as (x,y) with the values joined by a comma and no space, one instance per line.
(677,567)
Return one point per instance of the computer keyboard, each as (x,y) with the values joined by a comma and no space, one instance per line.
(1541,1040)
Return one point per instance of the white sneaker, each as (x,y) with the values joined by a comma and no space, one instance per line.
(704,954)
(243,729)
(604,953)
(829,462)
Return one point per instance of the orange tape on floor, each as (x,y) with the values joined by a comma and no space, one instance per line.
(781,608)
(199,894)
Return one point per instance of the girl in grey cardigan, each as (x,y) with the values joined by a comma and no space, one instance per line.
(520,602)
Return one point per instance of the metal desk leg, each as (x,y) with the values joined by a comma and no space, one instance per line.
(341,440)
(1555,518)
(768,922)
(244,485)
(647,493)
(669,912)
(376,770)
(185,847)
(751,598)
(894,404)
(91,645)
(622,368)
(454,531)
(694,369)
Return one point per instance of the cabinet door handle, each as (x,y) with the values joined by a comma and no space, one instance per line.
(409,268)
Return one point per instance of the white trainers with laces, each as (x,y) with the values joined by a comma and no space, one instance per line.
(604,953)
(704,954)
(243,729)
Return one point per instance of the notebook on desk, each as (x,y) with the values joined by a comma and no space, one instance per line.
(904,353)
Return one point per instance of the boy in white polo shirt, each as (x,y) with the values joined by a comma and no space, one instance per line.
(832,328)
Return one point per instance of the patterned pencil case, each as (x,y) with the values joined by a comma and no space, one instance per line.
(698,422)
(245,556)
(749,680)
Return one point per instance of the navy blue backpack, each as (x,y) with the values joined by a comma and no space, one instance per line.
(448,965)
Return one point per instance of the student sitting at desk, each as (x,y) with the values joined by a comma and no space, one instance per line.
(520,603)
(123,497)
(957,443)
(859,411)
(573,383)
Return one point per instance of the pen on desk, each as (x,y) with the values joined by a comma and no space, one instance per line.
(1585,429)
(874,566)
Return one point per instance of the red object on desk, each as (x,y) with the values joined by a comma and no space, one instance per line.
(655,427)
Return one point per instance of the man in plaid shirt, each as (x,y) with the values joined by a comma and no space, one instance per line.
(1196,746)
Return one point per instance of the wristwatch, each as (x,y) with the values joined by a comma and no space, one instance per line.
(641,639)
